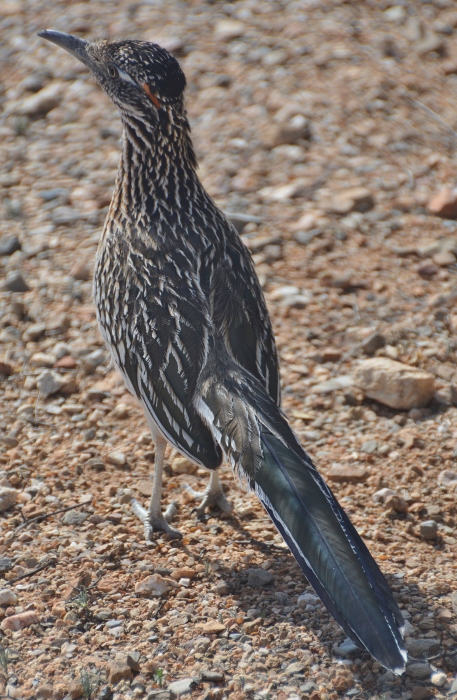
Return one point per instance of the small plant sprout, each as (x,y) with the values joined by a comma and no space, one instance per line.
(82,599)
(4,660)
(158,675)
(89,682)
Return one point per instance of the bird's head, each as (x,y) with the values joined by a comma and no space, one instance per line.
(140,77)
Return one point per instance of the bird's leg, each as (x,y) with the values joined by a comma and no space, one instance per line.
(213,495)
(153,518)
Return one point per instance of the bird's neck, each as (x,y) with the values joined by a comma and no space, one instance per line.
(158,165)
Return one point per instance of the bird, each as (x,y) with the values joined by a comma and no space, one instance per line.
(183,314)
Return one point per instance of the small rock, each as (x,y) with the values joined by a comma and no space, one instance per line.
(420,692)
(297,129)
(422,648)
(74,518)
(348,649)
(50,382)
(7,597)
(222,588)
(429,530)
(341,473)
(418,670)
(369,447)
(453,688)
(308,599)
(444,258)
(9,245)
(294,667)
(116,458)
(182,687)
(5,564)
(228,29)
(93,360)
(34,332)
(431,43)
(81,271)
(20,621)
(374,342)
(447,478)
(43,101)
(211,627)
(8,498)
(454,601)
(14,282)
(119,669)
(438,679)
(212,676)
(258,578)
(351,199)
(394,384)
(253,626)
(334,384)
(155,585)
(428,269)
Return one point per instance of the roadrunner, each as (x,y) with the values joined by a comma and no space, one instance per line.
(182,312)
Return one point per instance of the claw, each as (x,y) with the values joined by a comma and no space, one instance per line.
(212,496)
(156,524)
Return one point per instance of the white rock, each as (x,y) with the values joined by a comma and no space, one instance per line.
(155,585)
(308,599)
(8,498)
(229,29)
(438,678)
(116,458)
(394,384)
(49,383)
(7,597)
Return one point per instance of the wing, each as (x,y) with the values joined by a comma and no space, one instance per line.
(162,347)
(239,309)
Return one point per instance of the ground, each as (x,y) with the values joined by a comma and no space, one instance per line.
(330,126)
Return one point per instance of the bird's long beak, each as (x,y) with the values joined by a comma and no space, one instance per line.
(73,44)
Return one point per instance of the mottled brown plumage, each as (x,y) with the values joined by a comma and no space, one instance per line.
(182,312)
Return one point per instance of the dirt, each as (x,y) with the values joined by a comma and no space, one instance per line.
(330,125)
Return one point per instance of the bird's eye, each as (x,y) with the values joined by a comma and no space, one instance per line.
(112,71)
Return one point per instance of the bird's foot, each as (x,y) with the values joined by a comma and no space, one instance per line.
(208,498)
(157,523)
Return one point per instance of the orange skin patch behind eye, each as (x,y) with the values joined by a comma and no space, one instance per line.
(154,99)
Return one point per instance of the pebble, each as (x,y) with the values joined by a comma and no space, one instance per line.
(447,478)
(418,648)
(429,530)
(420,692)
(155,585)
(43,101)
(444,258)
(50,383)
(20,621)
(394,384)
(374,342)
(351,199)
(211,627)
(8,498)
(14,282)
(119,669)
(74,518)
(116,458)
(9,245)
(438,679)
(258,578)
(418,670)
(34,332)
(7,597)
(348,649)
(454,601)
(346,473)
(334,384)
(228,29)
(182,687)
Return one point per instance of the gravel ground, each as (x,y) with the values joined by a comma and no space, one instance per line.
(329,125)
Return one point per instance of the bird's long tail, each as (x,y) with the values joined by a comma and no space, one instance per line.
(260,444)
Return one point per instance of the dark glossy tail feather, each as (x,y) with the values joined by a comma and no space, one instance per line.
(318,532)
